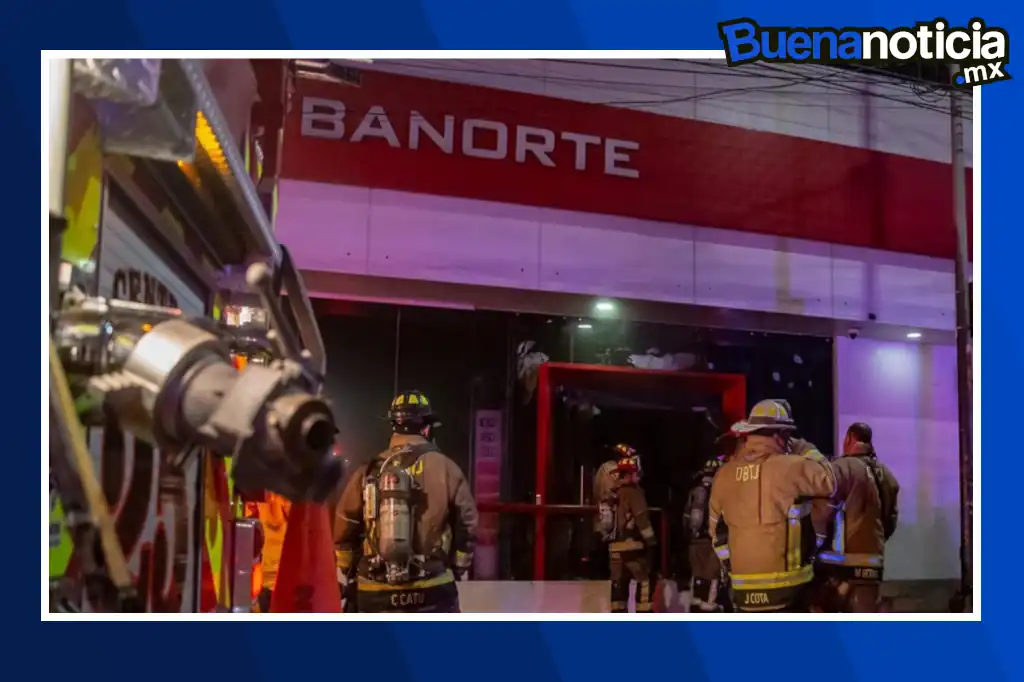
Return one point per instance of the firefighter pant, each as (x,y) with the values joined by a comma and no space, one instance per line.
(706,576)
(863,597)
(625,566)
(836,592)
(704,595)
(413,598)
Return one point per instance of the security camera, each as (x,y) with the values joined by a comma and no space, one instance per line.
(853,332)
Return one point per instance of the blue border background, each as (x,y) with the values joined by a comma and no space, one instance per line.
(504,651)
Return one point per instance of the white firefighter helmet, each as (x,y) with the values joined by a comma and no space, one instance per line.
(767,415)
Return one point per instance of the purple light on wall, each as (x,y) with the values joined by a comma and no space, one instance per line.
(907,393)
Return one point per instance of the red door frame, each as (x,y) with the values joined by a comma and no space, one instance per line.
(732,388)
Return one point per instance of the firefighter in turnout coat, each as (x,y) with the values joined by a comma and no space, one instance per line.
(406,522)
(705,569)
(857,524)
(631,549)
(763,494)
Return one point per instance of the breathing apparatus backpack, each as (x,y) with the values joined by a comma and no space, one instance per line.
(697,512)
(606,508)
(391,491)
(698,500)
(607,500)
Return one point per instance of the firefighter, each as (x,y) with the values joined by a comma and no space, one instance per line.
(631,546)
(409,518)
(705,569)
(862,519)
(728,444)
(762,493)
(707,573)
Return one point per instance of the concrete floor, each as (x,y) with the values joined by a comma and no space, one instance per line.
(586,596)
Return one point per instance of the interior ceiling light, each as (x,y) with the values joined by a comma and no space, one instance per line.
(914,335)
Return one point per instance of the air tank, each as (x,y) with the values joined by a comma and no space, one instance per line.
(394,523)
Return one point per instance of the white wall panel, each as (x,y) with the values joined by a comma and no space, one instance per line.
(645,85)
(904,123)
(747,99)
(327,227)
(444,239)
(852,291)
(419,236)
(762,272)
(919,293)
(617,257)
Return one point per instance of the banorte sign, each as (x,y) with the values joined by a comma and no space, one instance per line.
(434,137)
(477,138)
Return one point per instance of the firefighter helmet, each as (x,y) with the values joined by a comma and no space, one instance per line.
(628,459)
(710,467)
(785,406)
(410,412)
(767,415)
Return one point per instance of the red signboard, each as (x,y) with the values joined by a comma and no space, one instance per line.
(434,137)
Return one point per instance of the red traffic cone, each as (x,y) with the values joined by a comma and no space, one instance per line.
(306,578)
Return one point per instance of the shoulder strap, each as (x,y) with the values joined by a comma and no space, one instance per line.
(374,467)
(416,453)
(407,456)
(883,491)
(421,449)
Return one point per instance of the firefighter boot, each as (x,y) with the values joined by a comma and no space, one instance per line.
(703,595)
(644,595)
(620,595)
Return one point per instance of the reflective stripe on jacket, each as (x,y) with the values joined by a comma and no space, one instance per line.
(762,495)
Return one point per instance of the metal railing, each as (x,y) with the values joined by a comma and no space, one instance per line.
(540,547)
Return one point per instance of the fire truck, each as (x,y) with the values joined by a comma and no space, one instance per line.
(180,375)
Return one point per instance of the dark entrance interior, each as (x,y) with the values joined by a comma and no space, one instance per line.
(671,418)
(674,438)
(466,360)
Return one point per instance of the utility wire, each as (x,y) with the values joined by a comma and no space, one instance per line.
(722,97)
(843,86)
(828,77)
(838,80)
